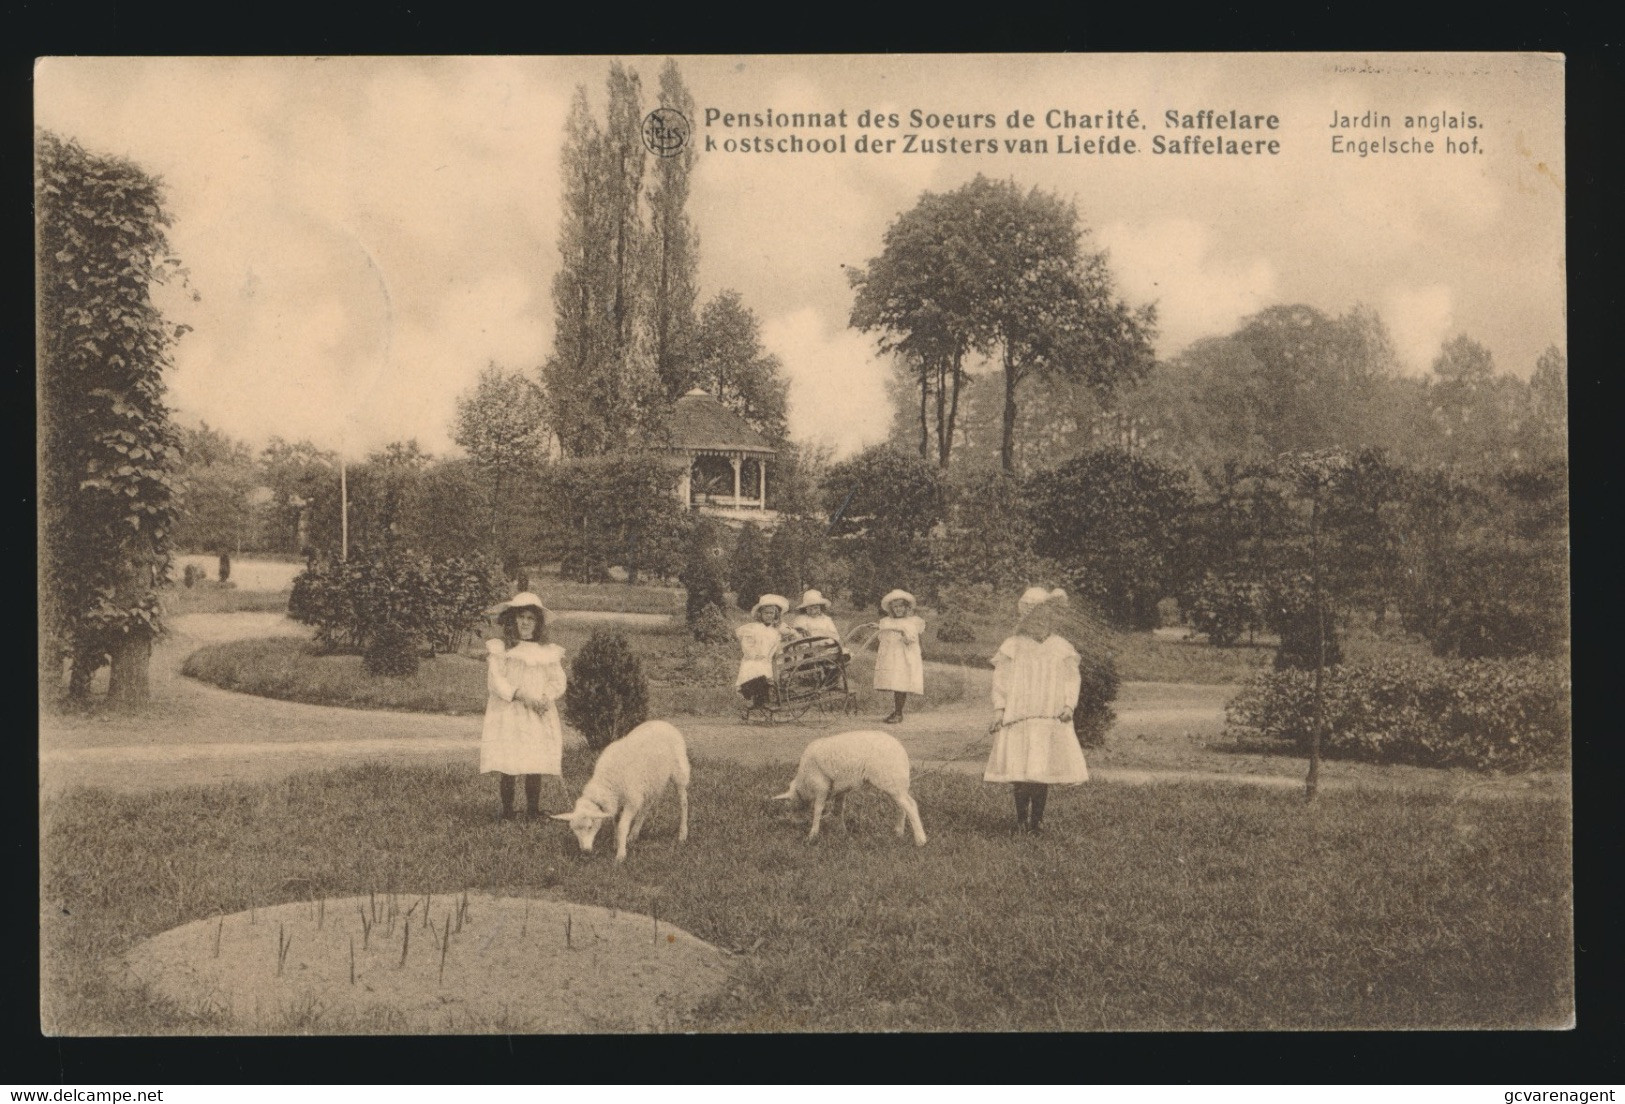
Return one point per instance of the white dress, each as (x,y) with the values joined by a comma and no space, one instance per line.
(757,644)
(819,625)
(1033,683)
(517,739)
(898,665)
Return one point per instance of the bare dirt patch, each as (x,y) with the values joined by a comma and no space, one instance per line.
(510,964)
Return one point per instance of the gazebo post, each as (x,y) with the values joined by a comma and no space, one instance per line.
(736,460)
(761,483)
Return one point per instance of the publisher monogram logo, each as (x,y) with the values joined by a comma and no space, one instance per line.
(665,131)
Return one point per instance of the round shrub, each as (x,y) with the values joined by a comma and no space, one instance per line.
(1222,607)
(1093,715)
(608,693)
(192,575)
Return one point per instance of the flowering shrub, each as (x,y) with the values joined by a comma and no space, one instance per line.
(1507,715)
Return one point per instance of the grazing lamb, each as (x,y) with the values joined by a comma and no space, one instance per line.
(834,765)
(630,776)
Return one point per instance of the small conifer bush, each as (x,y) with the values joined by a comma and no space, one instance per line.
(608,693)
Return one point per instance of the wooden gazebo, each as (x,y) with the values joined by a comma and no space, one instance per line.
(724,460)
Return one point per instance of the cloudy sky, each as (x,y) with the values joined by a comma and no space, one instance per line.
(364,234)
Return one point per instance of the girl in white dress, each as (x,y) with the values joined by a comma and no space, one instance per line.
(758,639)
(524,680)
(898,664)
(1035,689)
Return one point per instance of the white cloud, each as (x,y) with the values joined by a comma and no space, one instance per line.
(1419,319)
(1198,290)
(837,388)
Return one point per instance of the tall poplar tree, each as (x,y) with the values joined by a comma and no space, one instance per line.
(673,249)
(601,383)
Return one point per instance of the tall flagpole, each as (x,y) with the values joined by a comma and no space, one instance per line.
(344,513)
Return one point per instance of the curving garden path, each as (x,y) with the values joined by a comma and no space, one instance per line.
(194,733)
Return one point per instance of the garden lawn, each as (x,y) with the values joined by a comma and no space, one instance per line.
(1165,907)
(685,678)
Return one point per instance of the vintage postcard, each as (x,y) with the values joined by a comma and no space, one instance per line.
(803,544)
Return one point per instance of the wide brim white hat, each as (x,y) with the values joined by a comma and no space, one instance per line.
(1033,597)
(781,602)
(898,596)
(812,598)
(523,600)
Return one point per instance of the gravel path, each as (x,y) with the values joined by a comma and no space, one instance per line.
(194,733)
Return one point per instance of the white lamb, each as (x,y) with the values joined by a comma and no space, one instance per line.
(629,778)
(834,765)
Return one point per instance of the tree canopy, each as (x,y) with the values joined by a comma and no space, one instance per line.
(993,269)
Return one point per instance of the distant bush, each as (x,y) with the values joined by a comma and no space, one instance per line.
(192,575)
(607,694)
(750,571)
(711,626)
(1222,607)
(955,628)
(379,604)
(1289,611)
(1507,715)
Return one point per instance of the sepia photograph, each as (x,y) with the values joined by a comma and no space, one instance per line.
(699,544)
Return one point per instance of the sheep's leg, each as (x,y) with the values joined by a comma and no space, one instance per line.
(820,793)
(636,830)
(622,826)
(837,810)
(911,813)
(682,812)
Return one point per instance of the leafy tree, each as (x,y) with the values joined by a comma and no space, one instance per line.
(730,363)
(704,578)
(601,382)
(1289,379)
(304,507)
(502,424)
(1472,407)
(882,506)
(219,476)
(989,535)
(674,249)
(108,491)
(1117,526)
(1544,437)
(750,575)
(798,557)
(382,493)
(1485,561)
(614,509)
(445,515)
(991,267)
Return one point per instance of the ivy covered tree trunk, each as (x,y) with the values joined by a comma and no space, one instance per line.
(108,492)
(128,683)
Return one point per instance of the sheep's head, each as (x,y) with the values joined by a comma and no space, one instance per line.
(585,820)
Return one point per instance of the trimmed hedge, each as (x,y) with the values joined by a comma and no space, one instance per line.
(1505,715)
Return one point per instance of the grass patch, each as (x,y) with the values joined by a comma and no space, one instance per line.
(1143,908)
(207,597)
(685,678)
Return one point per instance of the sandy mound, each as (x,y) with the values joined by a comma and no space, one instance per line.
(510,965)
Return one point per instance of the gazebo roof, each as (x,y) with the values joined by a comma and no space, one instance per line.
(699,423)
